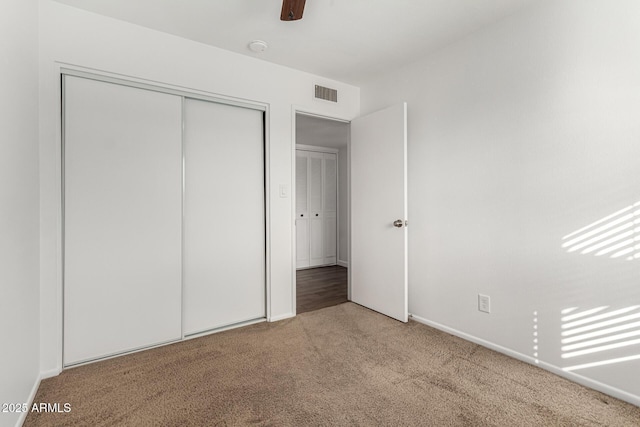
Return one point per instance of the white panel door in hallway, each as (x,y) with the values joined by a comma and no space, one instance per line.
(302,209)
(316,208)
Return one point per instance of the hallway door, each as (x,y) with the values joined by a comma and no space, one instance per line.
(378,263)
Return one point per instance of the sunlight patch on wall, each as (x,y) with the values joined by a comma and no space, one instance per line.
(616,235)
(594,332)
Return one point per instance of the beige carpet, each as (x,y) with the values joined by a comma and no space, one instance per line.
(343,365)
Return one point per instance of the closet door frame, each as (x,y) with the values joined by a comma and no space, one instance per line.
(324,150)
(62,70)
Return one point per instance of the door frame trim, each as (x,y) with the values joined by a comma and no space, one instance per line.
(316,149)
(295,110)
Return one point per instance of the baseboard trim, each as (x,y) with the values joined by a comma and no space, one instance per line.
(49,374)
(587,382)
(281,317)
(241,324)
(343,263)
(32,396)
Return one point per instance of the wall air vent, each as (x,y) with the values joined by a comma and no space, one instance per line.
(326,93)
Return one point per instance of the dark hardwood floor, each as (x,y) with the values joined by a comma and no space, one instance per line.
(320,287)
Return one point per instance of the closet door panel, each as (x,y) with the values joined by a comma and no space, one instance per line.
(122,219)
(224,222)
(316,252)
(302,209)
(302,184)
(330,194)
(330,232)
(330,203)
(315,183)
(302,243)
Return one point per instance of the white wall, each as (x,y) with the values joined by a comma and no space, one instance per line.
(88,40)
(520,134)
(19,301)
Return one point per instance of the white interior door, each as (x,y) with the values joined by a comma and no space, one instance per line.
(122,219)
(224,216)
(302,209)
(378,262)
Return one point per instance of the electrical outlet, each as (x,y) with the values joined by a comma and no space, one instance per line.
(484,303)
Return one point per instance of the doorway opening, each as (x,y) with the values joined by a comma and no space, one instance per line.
(321,212)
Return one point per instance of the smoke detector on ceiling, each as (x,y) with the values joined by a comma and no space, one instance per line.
(258,46)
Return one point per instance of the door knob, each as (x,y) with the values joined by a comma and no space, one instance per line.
(398,223)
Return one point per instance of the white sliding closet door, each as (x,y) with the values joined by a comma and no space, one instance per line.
(224,222)
(122,219)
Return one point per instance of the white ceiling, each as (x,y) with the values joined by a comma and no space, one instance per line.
(345,40)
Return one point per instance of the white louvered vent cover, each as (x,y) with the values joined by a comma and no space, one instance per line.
(326,93)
